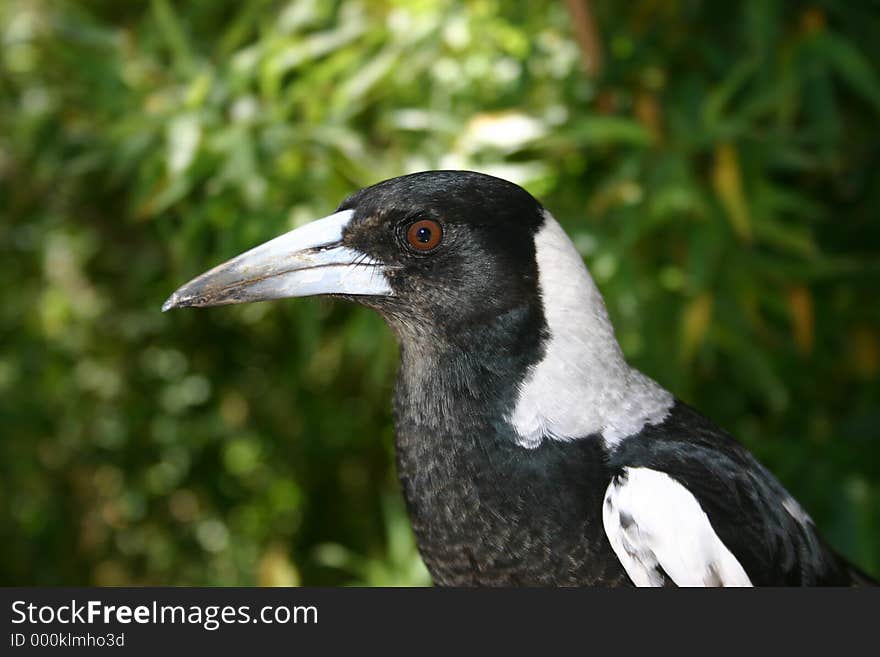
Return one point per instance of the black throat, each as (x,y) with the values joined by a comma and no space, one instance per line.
(466,376)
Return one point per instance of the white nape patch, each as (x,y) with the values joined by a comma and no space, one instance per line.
(654,522)
(796,511)
(583,385)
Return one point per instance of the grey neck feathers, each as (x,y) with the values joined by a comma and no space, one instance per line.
(582,386)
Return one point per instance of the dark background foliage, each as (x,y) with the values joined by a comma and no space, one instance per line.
(718,165)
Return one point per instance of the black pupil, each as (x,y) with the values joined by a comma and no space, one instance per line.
(423,234)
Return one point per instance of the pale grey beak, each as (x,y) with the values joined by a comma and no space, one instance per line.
(306,261)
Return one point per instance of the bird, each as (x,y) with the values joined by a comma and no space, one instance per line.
(529,452)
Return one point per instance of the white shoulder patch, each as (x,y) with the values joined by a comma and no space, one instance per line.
(654,523)
(583,385)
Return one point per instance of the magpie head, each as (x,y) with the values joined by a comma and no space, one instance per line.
(471,266)
(437,253)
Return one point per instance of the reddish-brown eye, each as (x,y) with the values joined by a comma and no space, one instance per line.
(424,235)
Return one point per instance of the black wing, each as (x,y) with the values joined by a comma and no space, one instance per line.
(753,515)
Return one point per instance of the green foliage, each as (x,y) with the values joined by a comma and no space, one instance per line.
(721,175)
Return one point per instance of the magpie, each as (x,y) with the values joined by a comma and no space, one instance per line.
(529,452)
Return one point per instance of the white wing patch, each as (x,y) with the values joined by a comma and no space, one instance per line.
(656,527)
